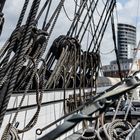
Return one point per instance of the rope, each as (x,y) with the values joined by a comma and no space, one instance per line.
(46,16)
(115,46)
(76,18)
(1,22)
(34,119)
(107,52)
(103,26)
(12,133)
(2,3)
(19,61)
(129,106)
(119,124)
(67,14)
(42,10)
(89,19)
(117,129)
(116,111)
(71,54)
(25,118)
(54,16)
(14,38)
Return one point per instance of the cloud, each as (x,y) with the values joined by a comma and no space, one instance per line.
(128,11)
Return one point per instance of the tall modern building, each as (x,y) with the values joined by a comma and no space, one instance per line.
(126,41)
(126,48)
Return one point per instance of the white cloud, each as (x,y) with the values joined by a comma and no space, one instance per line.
(127,12)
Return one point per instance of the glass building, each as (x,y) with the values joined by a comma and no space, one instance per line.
(126,41)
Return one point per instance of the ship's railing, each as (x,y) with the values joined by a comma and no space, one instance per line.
(135,133)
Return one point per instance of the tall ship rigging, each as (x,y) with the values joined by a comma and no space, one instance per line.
(49,69)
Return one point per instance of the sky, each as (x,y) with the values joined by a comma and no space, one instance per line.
(128,11)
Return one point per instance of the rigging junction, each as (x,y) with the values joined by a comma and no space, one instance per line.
(65,66)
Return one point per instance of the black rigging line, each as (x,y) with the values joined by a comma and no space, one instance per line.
(18,61)
(76,13)
(76,26)
(80,69)
(74,77)
(64,100)
(85,58)
(76,6)
(76,3)
(86,18)
(115,45)
(2,3)
(46,16)
(67,13)
(97,11)
(93,24)
(42,10)
(106,53)
(52,17)
(93,17)
(90,17)
(76,19)
(88,9)
(52,21)
(103,12)
(111,7)
(13,38)
(105,23)
(11,45)
(103,2)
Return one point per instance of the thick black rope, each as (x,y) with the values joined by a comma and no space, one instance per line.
(18,61)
